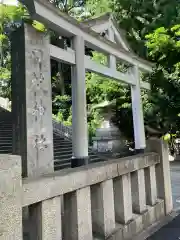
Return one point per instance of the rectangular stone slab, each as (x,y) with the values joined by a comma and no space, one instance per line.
(31,101)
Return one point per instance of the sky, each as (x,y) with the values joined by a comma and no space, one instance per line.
(9,2)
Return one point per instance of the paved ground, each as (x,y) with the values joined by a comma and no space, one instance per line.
(175,181)
(172,230)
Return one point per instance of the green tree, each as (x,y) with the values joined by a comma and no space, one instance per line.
(68,5)
(11,17)
(138,18)
(164,106)
(141,17)
(96,8)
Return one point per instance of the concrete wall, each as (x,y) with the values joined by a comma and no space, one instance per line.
(113,200)
(10,198)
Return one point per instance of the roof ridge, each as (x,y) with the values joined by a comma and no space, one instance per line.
(102,17)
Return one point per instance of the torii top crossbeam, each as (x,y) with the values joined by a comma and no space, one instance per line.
(63,24)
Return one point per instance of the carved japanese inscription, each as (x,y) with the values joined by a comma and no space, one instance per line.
(39,104)
(39,139)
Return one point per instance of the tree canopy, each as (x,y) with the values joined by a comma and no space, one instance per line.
(141,17)
(164,48)
(153,31)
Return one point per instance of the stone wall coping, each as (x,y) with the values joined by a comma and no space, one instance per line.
(64,181)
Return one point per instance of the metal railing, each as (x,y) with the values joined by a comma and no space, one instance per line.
(62,130)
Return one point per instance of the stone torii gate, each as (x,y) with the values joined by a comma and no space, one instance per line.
(32,103)
(109,200)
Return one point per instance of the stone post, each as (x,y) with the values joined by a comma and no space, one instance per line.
(138,190)
(123,199)
(10,198)
(103,213)
(31,101)
(151,185)
(77,215)
(79,111)
(163,177)
(138,119)
(32,110)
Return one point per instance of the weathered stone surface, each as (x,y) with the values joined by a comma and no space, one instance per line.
(139,222)
(103,215)
(10,198)
(160,209)
(77,215)
(149,217)
(117,233)
(77,210)
(31,101)
(138,191)
(45,220)
(51,219)
(73,179)
(123,199)
(151,185)
(163,178)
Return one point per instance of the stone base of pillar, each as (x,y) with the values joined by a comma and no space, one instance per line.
(77,162)
(138,151)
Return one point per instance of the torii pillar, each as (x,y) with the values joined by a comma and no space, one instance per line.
(79,108)
(137,110)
